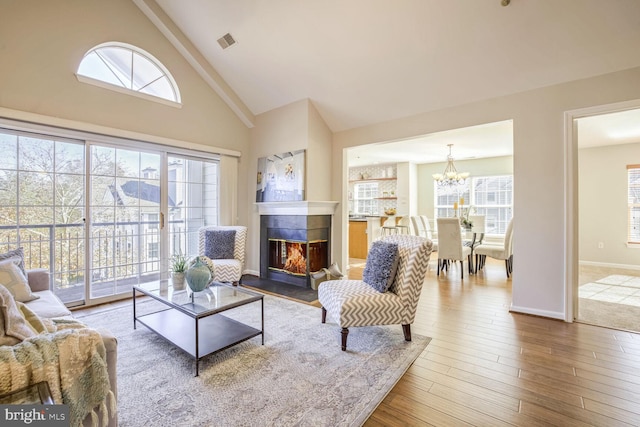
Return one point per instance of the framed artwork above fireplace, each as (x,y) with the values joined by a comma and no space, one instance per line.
(281,177)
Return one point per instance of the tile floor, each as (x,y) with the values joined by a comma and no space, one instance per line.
(616,288)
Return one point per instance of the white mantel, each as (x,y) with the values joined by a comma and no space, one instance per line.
(297,208)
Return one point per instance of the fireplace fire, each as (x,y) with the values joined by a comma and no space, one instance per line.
(296,262)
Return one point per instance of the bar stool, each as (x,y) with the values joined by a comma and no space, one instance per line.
(387,230)
(389,227)
(403,225)
(402,229)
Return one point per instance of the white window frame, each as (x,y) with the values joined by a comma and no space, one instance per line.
(365,194)
(88,138)
(633,204)
(467,193)
(175,102)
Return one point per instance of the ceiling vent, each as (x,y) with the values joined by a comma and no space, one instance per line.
(226,41)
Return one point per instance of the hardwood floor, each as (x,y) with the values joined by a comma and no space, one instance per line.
(488,367)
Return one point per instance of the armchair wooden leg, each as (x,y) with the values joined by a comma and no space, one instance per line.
(407,332)
(345,332)
(324,315)
(506,265)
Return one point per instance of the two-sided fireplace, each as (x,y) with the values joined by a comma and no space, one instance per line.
(292,246)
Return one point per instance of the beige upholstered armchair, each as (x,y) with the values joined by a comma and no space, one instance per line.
(356,303)
(225,245)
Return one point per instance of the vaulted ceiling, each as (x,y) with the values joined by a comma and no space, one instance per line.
(369,61)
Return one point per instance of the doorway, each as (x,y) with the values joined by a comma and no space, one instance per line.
(608,174)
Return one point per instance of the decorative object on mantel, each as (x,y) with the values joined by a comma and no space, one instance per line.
(198,275)
(178,267)
(450,180)
(390,211)
(281,177)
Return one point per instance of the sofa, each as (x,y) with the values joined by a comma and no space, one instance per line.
(49,306)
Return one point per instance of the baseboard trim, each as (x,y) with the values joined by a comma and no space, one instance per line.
(534,312)
(251,272)
(610,265)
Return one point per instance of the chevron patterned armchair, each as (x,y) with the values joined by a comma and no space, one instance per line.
(355,303)
(226,269)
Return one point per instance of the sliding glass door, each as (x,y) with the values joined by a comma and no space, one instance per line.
(124,236)
(101,216)
(42,206)
(193,201)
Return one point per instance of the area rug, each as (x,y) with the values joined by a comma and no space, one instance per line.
(299,376)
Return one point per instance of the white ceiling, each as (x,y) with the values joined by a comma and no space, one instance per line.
(368,61)
(475,142)
(493,140)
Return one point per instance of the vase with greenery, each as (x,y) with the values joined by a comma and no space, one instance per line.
(179,264)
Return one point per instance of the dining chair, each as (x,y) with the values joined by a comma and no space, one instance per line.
(478,224)
(417,227)
(429,233)
(450,247)
(502,251)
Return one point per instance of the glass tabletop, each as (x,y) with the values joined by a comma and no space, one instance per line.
(217,297)
(34,394)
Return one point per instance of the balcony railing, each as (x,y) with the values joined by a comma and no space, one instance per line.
(122,254)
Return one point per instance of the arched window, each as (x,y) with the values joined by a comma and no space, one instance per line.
(125,66)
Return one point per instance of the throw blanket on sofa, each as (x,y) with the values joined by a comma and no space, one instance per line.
(72,359)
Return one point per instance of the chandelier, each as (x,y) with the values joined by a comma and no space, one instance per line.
(450,179)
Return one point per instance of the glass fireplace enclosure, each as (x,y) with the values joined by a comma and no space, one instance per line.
(293,246)
(297,258)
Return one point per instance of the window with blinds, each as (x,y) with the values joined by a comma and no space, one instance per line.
(633,204)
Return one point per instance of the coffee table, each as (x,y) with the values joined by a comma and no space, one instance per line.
(34,394)
(193,321)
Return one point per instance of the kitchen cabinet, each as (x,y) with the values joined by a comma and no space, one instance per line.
(358,242)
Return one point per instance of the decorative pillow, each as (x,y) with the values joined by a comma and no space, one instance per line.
(219,244)
(13,326)
(15,252)
(382,263)
(14,280)
(34,321)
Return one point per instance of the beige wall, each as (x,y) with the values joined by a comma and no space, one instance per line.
(319,160)
(602,196)
(292,127)
(42,43)
(539,172)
